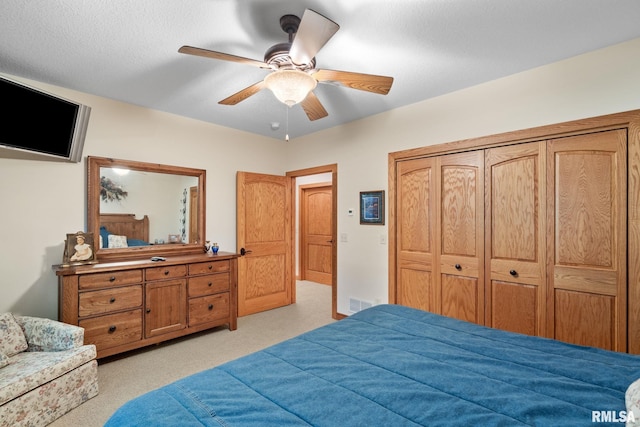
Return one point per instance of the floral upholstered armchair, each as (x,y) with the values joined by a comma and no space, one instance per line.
(45,370)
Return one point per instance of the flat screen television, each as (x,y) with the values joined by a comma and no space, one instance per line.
(38,123)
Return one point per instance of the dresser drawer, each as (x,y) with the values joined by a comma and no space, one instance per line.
(209,284)
(105,280)
(208,309)
(166,272)
(209,267)
(113,330)
(109,300)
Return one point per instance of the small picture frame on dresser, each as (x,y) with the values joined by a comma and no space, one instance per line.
(79,249)
(174,238)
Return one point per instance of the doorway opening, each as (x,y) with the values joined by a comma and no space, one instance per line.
(315,223)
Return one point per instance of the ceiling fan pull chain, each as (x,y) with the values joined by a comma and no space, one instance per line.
(286,136)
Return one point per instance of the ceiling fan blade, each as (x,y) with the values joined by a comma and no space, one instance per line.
(243,94)
(314,32)
(366,82)
(190,50)
(312,106)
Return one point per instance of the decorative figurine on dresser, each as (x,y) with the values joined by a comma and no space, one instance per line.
(141,293)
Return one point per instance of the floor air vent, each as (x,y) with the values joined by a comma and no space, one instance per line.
(356,305)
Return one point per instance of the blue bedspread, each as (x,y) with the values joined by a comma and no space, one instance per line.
(396,366)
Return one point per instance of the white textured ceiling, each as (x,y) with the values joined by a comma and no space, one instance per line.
(128,50)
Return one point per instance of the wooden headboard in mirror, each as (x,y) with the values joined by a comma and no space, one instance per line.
(137,210)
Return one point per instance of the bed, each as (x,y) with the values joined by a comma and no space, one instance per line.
(125,228)
(391,365)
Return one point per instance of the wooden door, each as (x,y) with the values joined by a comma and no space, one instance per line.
(515,238)
(587,239)
(460,235)
(165,307)
(316,244)
(415,227)
(264,239)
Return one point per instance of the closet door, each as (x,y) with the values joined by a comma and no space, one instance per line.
(515,238)
(587,239)
(460,236)
(415,225)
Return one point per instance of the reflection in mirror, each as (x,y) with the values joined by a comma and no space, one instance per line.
(165,200)
(142,209)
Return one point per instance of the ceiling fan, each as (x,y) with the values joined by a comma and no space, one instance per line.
(293,69)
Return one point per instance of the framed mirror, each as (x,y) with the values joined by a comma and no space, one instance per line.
(140,210)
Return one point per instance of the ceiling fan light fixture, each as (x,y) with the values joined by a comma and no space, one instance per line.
(290,86)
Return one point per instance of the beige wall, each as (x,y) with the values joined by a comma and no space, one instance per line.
(597,83)
(42,201)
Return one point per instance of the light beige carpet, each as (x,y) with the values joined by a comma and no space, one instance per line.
(124,377)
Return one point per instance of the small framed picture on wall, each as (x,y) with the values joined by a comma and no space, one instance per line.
(372,207)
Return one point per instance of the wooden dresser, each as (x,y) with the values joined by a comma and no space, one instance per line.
(130,304)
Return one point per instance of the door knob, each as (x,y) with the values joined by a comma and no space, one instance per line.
(243,251)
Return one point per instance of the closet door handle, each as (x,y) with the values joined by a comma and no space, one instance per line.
(458,267)
(243,252)
(513,273)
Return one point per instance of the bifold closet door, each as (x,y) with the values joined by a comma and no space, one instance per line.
(460,235)
(415,228)
(587,239)
(440,229)
(515,238)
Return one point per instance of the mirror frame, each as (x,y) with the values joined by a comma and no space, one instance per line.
(136,252)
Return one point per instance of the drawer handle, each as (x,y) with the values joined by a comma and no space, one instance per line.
(112,278)
(166,272)
(458,267)
(210,283)
(148,310)
(112,329)
(513,273)
(210,267)
(112,300)
(210,307)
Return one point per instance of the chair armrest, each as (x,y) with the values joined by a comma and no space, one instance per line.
(50,335)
